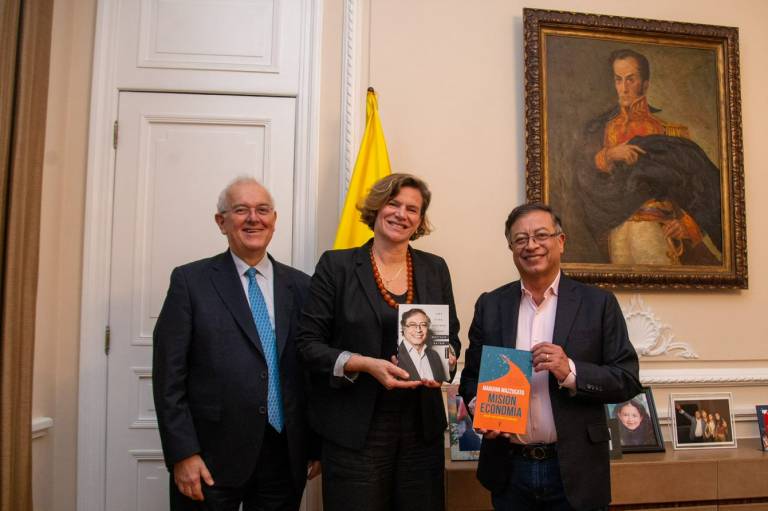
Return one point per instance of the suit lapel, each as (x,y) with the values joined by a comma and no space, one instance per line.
(405,362)
(509,310)
(568,301)
(365,276)
(283,291)
(228,285)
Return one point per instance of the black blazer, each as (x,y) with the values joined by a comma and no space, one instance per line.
(210,375)
(342,313)
(590,328)
(434,359)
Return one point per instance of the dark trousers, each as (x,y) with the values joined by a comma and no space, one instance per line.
(533,486)
(270,487)
(396,470)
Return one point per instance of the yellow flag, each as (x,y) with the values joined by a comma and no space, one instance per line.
(372,164)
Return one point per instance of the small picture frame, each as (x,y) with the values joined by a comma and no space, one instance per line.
(614,445)
(702,421)
(762,425)
(638,423)
(465,442)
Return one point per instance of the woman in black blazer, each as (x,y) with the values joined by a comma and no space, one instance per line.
(382,434)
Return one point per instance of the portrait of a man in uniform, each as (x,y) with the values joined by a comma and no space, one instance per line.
(633,134)
(651,194)
(634,157)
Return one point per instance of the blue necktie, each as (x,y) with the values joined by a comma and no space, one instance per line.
(269,345)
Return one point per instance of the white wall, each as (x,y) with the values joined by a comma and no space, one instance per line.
(61,240)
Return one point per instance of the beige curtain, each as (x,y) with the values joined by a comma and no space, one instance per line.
(25,39)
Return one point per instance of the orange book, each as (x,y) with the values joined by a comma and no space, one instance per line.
(503,390)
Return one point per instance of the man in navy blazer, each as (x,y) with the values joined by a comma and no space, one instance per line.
(582,358)
(228,436)
(698,424)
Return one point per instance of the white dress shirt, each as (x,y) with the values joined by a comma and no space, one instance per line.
(420,360)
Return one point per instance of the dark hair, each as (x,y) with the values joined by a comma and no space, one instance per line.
(526,209)
(411,312)
(632,402)
(642,62)
(388,187)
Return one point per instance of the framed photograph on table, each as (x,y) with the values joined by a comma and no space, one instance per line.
(465,443)
(702,421)
(638,423)
(614,444)
(633,135)
(762,425)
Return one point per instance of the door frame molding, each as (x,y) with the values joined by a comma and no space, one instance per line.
(94,317)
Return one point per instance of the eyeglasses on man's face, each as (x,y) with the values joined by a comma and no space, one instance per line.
(414,326)
(521,240)
(262,210)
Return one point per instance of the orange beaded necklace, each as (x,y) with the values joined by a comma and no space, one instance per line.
(383,290)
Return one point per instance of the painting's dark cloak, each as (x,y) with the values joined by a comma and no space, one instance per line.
(673,168)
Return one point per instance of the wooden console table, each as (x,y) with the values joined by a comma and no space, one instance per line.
(685,480)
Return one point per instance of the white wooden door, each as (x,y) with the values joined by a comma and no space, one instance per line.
(175,153)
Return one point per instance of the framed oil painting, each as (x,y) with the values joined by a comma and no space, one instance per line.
(633,135)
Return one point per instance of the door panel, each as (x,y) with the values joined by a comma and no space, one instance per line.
(236,46)
(176,153)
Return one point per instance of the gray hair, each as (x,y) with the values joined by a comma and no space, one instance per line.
(222,205)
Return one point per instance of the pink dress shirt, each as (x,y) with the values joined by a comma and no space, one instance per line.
(535,324)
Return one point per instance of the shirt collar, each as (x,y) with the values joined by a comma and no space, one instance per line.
(552,289)
(264,267)
(412,349)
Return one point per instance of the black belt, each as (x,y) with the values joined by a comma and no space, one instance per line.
(536,452)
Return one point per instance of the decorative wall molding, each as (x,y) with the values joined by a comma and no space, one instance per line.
(306,145)
(729,377)
(352,47)
(699,377)
(251,44)
(94,307)
(650,336)
(146,418)
(40,426)
(147,454)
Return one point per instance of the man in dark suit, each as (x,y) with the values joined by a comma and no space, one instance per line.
(434,362)
(697,424)
(227,383)
(415,353)
(582,358)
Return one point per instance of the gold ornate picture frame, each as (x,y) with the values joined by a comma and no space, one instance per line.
(642,160)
